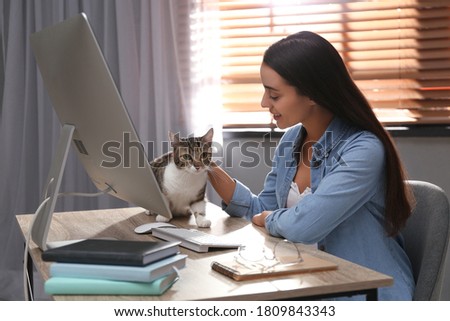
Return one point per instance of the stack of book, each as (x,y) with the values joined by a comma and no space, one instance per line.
(113,267)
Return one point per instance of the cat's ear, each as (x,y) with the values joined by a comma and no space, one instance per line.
(174,138)
(208,136)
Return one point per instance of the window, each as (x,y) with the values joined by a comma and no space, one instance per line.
(398,53)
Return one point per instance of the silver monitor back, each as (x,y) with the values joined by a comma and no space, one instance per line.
(84,95)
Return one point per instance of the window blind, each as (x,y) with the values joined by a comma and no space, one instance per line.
(398,53)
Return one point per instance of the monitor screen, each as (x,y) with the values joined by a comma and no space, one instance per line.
(85,98)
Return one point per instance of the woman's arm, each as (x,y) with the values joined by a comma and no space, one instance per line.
(221,182)
(239,200)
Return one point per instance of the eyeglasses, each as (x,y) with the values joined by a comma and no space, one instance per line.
(283,253)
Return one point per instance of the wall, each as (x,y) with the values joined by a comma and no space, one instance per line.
(425,158)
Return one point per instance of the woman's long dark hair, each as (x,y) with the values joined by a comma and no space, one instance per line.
(312,65)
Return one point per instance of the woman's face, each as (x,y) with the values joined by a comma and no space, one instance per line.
(287,107)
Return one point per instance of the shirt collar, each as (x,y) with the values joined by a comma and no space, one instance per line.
(334,133)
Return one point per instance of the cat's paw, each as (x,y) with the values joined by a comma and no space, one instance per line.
(202,221)
(160,218)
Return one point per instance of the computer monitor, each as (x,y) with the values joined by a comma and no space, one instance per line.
(94,120)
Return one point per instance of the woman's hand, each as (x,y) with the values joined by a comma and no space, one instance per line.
(260,219)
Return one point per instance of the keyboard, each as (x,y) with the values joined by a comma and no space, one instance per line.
(193,239)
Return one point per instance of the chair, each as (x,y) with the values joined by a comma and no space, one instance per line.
(426,236)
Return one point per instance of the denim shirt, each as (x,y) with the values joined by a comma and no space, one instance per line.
(344,214)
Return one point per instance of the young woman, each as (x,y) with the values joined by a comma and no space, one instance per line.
(336,179)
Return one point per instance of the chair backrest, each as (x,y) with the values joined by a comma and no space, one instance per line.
(426,236)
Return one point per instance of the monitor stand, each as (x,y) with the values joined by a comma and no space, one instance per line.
(41,222)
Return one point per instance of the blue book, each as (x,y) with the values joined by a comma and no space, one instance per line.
(146,273)
(80,286)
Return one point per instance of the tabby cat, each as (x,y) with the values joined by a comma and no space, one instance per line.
(182,176)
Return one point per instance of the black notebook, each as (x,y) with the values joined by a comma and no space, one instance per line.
(118,252)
